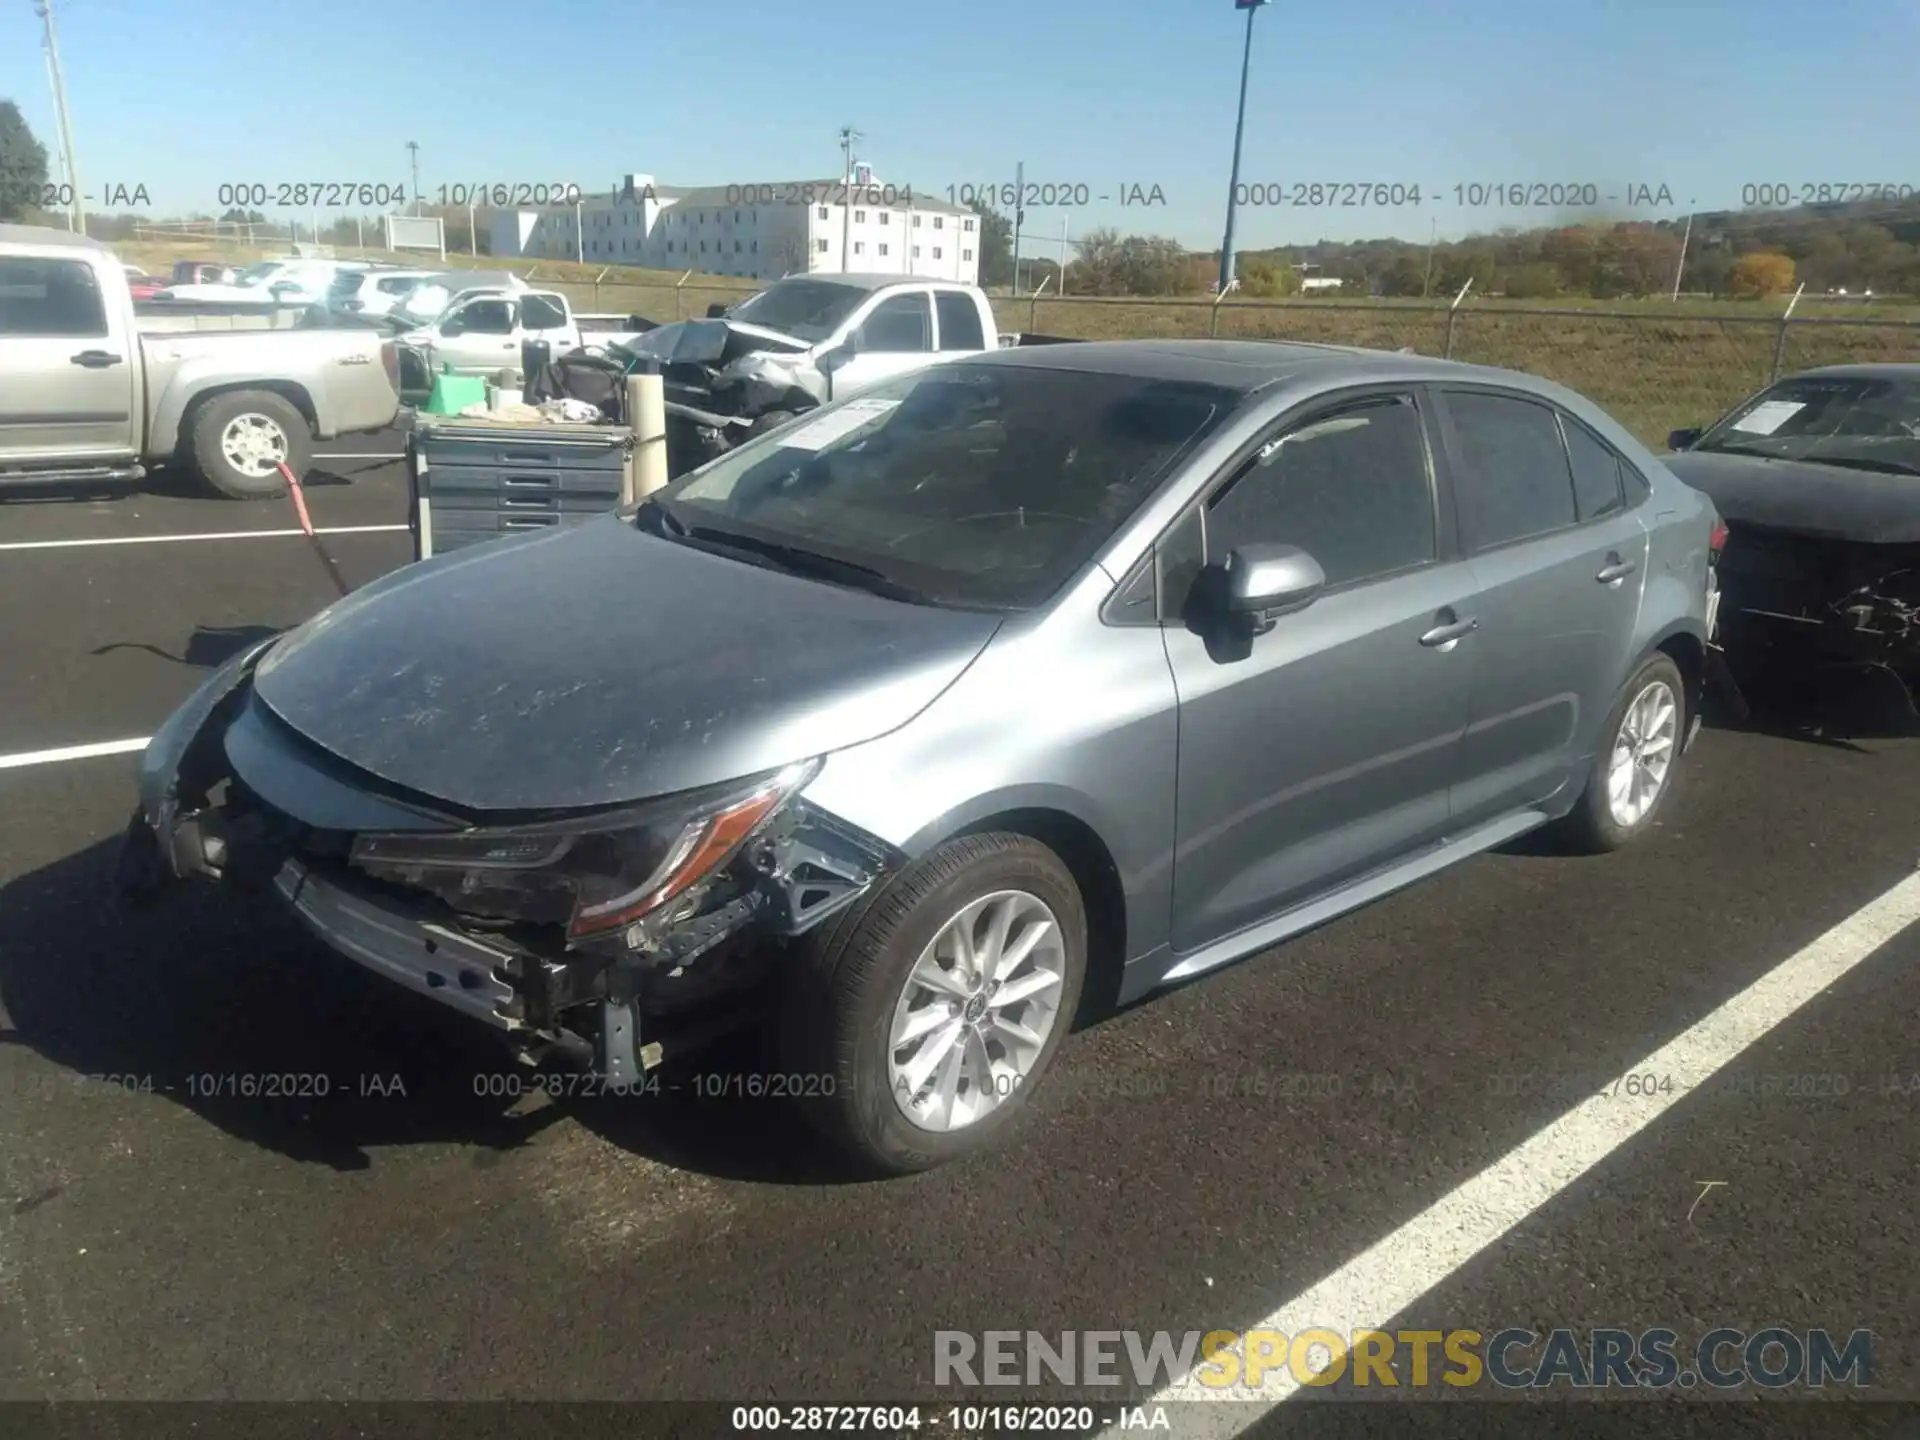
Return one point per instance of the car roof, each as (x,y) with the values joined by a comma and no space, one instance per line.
(858,280)
(1247,366)
(47,235)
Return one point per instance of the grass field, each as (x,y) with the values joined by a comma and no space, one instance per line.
(1654,364)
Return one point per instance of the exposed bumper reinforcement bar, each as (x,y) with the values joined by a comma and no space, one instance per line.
(444,965)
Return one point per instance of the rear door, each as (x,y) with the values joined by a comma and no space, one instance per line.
(1560,561)
(958,330)
(67,363)
(544,315)
(895,337)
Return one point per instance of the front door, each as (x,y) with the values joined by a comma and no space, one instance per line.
(1325,747)
(895,337)
(68,368)
(1560,561)
(477,336)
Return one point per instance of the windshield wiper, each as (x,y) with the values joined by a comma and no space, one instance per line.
(810,563)
(664,519)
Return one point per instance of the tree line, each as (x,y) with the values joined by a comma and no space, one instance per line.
(1736,254)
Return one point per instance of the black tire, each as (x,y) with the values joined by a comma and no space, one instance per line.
(833,1025)
(766,422)
(1590,828)
(209,424)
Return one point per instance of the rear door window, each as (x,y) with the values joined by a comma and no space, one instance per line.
(959,321)
(1514,478)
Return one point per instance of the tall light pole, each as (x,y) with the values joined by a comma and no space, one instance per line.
(76,213)
(1239,134)
(413,154)
(1681,265)
(847,136)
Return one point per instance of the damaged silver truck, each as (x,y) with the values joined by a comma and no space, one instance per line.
(801,342)
(1818,481)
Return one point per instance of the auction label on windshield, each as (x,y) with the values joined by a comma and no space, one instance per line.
(1768,416)
(818,434)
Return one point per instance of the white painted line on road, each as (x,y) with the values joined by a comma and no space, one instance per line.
(1391,1276)
(73,752)
(207,535)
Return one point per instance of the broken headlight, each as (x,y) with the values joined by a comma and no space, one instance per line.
(619,871)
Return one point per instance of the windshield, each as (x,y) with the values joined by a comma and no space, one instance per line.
(1862,420)
(806,309)
(974,485)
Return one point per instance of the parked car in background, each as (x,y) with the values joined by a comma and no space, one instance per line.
(1046,672)
(374,292)
(89,397)
(1818,478)
(481,330)
(204,272)
(141,285)
(271,282)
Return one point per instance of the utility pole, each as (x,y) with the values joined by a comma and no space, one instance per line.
(1426,285)
(847,136)
(1681,265)
(1239,134)
(76,213)
(413,153)
(1019,194)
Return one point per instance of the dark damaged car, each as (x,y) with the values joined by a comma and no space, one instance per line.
(1076,670)
(1818,481)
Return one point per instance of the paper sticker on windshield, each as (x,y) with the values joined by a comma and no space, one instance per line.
(1768,416)
(818,434)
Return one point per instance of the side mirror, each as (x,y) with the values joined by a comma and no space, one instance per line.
(1682,439)
(717,310)
(837,357)
(1268,581)
(453,326)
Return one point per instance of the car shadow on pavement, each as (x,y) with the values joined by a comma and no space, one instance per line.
(230,1010)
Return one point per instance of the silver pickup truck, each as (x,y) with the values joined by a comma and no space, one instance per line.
(88,394)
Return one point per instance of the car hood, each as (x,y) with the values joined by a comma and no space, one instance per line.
(709,342)
(1831,502)
(600,665)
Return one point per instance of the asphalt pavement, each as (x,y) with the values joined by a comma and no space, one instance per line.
(393,1223)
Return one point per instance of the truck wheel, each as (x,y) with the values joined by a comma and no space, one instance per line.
(922,1020)
(239,438)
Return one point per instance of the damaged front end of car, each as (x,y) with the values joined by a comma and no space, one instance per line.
(718,377)
(1796,604)
(614,939)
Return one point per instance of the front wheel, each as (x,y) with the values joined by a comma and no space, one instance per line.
(1636,763)
(240,440)
(925,1018)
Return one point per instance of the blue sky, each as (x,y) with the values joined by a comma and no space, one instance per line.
(1703,98)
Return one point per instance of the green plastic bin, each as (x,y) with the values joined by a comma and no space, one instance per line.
(453,393)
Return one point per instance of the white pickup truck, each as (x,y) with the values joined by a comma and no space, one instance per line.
(800,342)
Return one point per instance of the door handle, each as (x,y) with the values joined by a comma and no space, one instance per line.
(1447,634)
(1616,570)
(96,359)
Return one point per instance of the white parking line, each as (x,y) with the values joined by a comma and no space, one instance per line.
(1391,1276)
(73,752)
(205,535)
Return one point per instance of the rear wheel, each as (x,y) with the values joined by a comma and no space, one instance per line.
(240,439)
(922,1022)
(1636,763)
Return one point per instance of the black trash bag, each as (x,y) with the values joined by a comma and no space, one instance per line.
(601,382)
